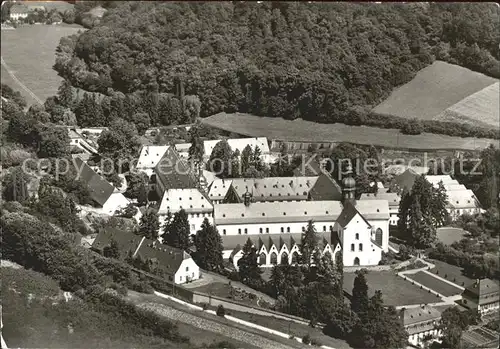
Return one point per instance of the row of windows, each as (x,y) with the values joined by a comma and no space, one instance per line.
(197,215)
(282,229)
(353,247)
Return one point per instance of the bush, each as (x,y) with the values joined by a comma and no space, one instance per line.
(221,311)
(143,287)
(306,339)
(316,342)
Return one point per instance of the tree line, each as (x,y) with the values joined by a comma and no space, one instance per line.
(318,61)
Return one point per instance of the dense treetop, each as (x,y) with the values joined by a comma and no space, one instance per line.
(287,59)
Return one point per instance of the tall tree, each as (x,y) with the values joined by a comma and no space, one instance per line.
(246,158)
(360,300)
(220,159)
(176,232)
(113,250)
(309,244)
(149,224)
(197,149)
(54,142)
(248,267)
(65,94)
(208,247)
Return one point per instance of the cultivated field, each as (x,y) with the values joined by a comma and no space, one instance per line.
(28,54)
(437,88)
(451,272)
(395,290)
(481,108)
(306,131)
(435,284)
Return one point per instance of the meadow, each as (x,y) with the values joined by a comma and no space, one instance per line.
(28,52)
(441,86)
(451,272)
(395,290)
(435,284)
(299,130)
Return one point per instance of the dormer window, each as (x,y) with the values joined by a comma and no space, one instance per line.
(242,215)
(305,212)
(223,215)
(284,213)
(263,214)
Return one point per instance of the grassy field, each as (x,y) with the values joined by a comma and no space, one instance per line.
(35,315)
(395,290)
(449,235)
(29,53)
(481,108)
(435,284)
(452,272)
(437,88)
(295,329)
(306,131)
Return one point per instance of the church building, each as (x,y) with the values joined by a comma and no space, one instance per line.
(359,228)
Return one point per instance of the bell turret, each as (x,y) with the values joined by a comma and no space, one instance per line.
(247,198)
(349,185)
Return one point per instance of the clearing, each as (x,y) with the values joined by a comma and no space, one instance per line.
(395,290)
(452,272)
(441,86)
(28,54)
(299,130)
(435,284)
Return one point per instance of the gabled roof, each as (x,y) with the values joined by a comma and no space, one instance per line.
(236,242)
(460,199)
(326,188)
(484,289)
(373,209)
(392,198)
(277,212)
(99,189)
(191,200)
(420,314)
(219,188)
(406,179)
(127,241)
(174,172)
(150,155)
(168,258)
(397,169)
(348,213)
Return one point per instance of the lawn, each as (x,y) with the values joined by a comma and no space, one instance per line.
(307,131)
(451,272)
(223,290)
(295,329)
(435,89)
(395,290)
(435,284)
(449,235)
(29,53)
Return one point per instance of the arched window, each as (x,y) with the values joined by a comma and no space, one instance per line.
(246,231)
(239,231)
(378,236)
(284,258)
(352,247)
(361,247)
(287,229)
(356,261)
(274,258)
(357,236)
(224,231)
(262,258)
(260,230)
(282,229)
(324,228)
(295,258)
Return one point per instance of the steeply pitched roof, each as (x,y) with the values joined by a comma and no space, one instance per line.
(397,169)
(392,198)
(236,242)
(168,258)
(348,213)
(421,314)
(373,209)
(406,179)
(127,241)
(326,188)
(150,155)
(485,289)
(191,200)
(174,172)
(460,199)
(277,212)
(99,189)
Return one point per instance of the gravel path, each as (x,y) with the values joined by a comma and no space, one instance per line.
(212,326)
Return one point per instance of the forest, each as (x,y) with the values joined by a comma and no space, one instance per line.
(325,62)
